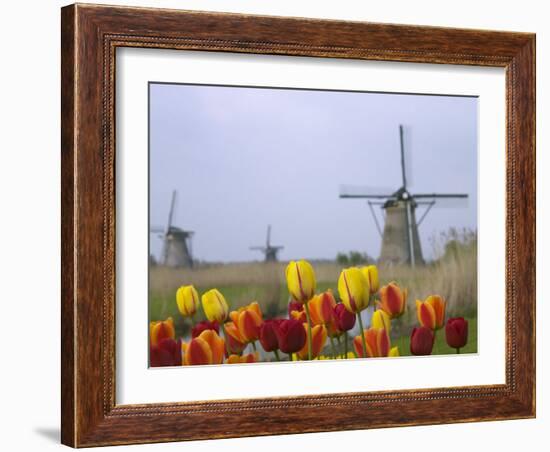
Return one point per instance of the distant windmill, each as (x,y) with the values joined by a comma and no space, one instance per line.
(400,240)
(176,247)
(269,251)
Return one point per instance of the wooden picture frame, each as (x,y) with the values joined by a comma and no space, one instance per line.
(90,35)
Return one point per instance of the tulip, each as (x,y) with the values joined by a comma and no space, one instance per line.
(456,333)
(394,352)
(431,313)
(298,315)
(268,335)
(161,330)
(214,305)
(236,359)
(393,299)
(354,290)
(380,319)
(345,320)
(216,344)
(248,320)
(422,341)
(321,308)
(167,352)
(207,348)
(290,335)
(187,299)
(300,279)
(377,343)
(197,352)
(371,273)
(294,306)
(318,338)
(235,343)
(204,325)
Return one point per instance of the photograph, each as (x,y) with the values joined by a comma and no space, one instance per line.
(294,224)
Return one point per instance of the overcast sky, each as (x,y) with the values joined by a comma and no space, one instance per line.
(243,158)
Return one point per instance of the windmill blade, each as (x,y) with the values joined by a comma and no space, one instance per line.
(402,146)
(440,195)
(258,248)
(171,213)
(268,238)
(361,191)
(156,230)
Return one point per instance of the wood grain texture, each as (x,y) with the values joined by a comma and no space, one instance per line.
(90,36)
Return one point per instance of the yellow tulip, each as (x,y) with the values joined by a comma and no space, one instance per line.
(394,352)
(214,305)
(161,330)
(371,273)
(300,279)
(187,299)
(381,320)
(431,312)
(354,289)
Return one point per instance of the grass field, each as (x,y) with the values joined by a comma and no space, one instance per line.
(454,277)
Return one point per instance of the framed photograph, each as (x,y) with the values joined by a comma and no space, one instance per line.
(281,225)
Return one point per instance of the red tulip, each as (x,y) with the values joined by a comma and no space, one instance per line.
(456,332)
(268,335)
(422,341)
(291,335)
(345,320)
(204,325)
(166,353)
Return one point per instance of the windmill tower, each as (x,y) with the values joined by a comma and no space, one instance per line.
(269,251)
(400,240)
(176,248)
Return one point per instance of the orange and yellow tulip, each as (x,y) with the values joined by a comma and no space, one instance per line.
(207,348)
(248,320)
(235,342)
(377,341)
(300,279)
(431,312)
(393,300)
(236,359)
(321,308)
(318,340)
(354,289)
(215,306)
(187,300)
(380,319)
(371,273)
(161,330)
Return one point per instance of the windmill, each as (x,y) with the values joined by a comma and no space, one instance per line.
(269,251)
(400,240)
(176,247)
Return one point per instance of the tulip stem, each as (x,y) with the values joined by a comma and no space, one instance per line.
(457,351)
(276,352)
(362,335)
(333,350)
(226,341)
(254,346)
(345,345)
(309,344)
